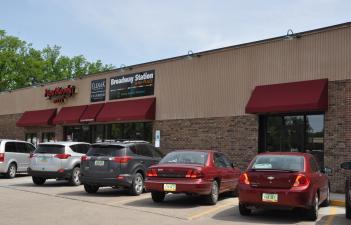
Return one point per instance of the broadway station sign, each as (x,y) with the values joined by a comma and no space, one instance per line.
(132,85)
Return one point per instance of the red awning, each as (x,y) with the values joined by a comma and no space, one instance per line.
(303,96)
(91,112)
(141,109)
(70,115)
(37,118)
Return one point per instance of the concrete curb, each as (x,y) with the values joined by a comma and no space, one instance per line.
(339,203)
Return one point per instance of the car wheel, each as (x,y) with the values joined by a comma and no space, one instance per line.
(75,177)
(11,171)
(243,210)
(158,196)
(326,202)
(137,185)
(91,189)
(38,180)
(212,198)
(312,213)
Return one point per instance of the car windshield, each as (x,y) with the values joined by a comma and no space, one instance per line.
(278,162)
(106,150)
(180,157)
(50,149)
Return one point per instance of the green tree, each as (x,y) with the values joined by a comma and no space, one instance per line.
(21,65)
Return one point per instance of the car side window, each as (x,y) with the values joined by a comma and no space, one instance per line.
(10,147)
(144,150)
(84,148)
(30,148)
(219,161)
(21,147)
(314,166)
(133,149)
(75,148)
(227,161)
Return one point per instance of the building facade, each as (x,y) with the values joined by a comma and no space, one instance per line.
(281,94)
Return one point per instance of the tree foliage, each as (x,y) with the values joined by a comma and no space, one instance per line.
(22,65)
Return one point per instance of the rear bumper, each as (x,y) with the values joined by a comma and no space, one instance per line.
(3,167)
(124,180)
(65,174)
(287,198)
(189,186)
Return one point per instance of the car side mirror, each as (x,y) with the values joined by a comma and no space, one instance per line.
(327,171)
(346,165)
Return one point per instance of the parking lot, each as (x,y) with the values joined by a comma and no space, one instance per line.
(58,203)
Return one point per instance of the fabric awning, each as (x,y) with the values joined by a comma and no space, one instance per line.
(91,112)
(303,96)
(128,110)
(70,115)
(36,118)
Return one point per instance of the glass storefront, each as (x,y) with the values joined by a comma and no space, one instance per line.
(293,133)
(116,131)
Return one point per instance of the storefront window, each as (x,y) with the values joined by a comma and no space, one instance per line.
(47,136)
(31,138)
(293,133)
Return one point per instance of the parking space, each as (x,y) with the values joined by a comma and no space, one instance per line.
(21,202)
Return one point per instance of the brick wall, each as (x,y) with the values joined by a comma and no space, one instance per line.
(235,136)
(337,144)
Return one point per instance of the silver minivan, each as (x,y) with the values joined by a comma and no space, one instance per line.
(14,156)
(57,160)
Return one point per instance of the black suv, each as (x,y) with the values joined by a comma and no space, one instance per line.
(118,164)
(347,166)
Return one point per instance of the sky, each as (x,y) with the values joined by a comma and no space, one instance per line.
(137,31)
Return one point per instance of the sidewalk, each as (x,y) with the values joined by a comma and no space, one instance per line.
(337,199)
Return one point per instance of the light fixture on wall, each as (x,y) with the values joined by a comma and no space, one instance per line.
(290,35)
(192,55)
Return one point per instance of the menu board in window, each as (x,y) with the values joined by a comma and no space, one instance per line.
(132,85)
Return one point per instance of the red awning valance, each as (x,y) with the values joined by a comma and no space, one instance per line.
(128,110)
(37,118)
(303,96)
(70,115)
(91,112)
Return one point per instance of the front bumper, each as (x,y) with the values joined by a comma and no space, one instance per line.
(64,174)
(287,198)
(189,186)
(122,181)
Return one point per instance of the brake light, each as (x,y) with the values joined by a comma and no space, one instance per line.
(301,181)
(122,159)
(244,179)
(151,173)
(2,157)
(84,158)
(194,174)
(62,156)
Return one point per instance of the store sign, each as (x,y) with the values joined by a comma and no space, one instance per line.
(98,90)
(59,94)
(132,85)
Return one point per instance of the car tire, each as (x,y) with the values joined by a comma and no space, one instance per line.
(326,202)
(91,189)
(312,213)
(11,171)
(212,198)
(75,177)
(137,187)
(38,180)
(158,196)
(243,210)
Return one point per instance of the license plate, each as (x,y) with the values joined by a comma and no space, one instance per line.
(269,197)
(169,187)
(99,163)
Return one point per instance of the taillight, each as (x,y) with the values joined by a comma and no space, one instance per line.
(62,156)
(2,157)
(151,173)
(122,159)
(194,174)
(84,158)
(301,181)
(244,179)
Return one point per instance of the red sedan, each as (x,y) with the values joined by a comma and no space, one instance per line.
(206,173)
(283,180)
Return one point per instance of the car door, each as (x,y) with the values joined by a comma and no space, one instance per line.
(156,155)
(146,157)
(318,179)
(232,173)
(222,171)
(10,152)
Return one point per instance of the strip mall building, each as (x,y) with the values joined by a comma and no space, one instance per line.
(290,93)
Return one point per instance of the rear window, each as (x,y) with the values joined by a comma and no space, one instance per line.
(106,150)
(51,149)
(185,158)
(278,162)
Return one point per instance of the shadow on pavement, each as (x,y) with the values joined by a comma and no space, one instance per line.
(103,192)
(48,183)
